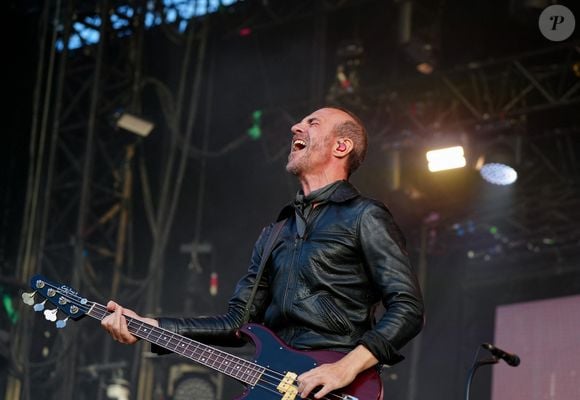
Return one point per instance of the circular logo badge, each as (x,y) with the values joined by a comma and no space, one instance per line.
(557,23)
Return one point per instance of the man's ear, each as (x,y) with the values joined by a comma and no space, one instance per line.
(342,147)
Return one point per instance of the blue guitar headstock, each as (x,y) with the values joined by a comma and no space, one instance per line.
(64,298)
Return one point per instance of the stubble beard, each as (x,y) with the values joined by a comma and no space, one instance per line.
(295,166)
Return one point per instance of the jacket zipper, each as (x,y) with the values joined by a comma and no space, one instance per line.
(290,277)
(297,241)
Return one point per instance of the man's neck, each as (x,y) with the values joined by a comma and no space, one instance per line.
(315,182)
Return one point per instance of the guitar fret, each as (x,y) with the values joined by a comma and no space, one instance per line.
(189,351)
(224,364)
(182,346)
(212,358)
(237,372)
(173,343)
(255,376)
(203,357)
(227,364)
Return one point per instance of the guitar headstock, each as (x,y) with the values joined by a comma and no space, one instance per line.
(64,298)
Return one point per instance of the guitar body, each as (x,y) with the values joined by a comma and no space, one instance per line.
(274,354)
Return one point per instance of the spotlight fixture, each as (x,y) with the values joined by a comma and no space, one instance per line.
(446,158)
(497,166)
(134,124)
(422,54)
(118,389)
(498,174)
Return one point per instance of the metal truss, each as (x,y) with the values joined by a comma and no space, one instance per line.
(480,96)
(77,226)
(517,86)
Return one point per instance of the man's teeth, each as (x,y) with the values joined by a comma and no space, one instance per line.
(299,144)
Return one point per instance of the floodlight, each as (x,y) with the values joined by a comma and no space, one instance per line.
(135,124)
(446,158)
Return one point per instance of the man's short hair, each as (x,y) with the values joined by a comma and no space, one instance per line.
(355,131)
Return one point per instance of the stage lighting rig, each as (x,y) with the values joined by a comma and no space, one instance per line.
(134,124)
(446,158)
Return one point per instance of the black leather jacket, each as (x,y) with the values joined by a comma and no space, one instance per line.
(320,292)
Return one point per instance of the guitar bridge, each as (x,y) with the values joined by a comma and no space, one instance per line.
(287,387)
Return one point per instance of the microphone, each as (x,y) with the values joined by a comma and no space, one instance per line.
(511,359)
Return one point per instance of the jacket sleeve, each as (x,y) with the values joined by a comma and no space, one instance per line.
(388,264)
(221,329)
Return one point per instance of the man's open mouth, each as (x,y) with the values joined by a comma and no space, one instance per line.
(298,145)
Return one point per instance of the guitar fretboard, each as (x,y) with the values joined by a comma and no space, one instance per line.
(236,367)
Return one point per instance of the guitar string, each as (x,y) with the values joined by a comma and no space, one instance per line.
(253,367)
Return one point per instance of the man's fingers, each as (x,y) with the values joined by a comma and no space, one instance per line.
(116,324)
(323,392)
(308,382)
(309,387)
(322,380)
(111,305)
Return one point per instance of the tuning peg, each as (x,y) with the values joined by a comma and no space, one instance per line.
(50,315)
(40,306)
(28,298)
(61,323)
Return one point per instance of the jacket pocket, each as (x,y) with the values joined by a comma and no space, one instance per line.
(331,315)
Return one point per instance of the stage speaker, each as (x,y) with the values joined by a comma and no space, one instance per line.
(187,381)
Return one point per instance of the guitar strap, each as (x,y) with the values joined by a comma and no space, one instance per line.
(269,246)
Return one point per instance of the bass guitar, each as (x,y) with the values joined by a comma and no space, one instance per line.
(270,376)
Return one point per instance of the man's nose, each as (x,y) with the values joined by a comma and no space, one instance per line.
(297,128)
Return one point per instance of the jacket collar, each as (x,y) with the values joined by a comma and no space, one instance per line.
(344,192)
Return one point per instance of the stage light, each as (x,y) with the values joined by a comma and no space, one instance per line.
(497,166)
(245,31)
(498,174)
(255,131)
(422,54)
(446,158)
(134,124)
(118,389)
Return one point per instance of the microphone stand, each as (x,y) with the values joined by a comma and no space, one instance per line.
(473,369)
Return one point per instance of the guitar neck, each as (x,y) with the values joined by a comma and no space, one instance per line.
(236,367)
